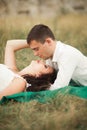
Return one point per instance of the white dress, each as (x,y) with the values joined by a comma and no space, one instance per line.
(6,76)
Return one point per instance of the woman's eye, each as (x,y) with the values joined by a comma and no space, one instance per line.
(45,66)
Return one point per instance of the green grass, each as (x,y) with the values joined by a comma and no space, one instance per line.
(64,112)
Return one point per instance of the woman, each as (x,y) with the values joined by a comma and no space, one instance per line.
(35,77)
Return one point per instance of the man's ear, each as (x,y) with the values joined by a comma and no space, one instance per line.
(48,40)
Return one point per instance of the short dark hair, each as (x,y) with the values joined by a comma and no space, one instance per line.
(40,83)
(39,33)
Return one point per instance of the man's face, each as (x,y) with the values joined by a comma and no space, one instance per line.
(41,50)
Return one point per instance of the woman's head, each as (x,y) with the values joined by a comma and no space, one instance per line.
(42,82)
(38,68)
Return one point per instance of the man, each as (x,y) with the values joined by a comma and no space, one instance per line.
(70,62)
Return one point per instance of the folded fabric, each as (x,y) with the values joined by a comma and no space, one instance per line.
(47,95)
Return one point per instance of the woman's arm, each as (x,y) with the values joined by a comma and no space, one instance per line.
(11,47)
(17,85)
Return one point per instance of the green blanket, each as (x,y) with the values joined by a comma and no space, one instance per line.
(47,95)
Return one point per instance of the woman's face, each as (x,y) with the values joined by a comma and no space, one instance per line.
(39,67)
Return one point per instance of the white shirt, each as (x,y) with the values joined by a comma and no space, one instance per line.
(72,64)
(6,76)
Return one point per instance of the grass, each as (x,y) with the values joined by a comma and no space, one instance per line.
(64,112)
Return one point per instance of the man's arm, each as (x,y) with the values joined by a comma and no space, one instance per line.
(11,47)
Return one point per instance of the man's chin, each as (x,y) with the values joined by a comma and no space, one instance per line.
(45,58)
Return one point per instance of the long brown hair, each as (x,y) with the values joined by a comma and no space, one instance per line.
(40,83)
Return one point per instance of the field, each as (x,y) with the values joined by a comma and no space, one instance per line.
(64,112)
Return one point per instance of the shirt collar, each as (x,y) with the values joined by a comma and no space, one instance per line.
(55,55)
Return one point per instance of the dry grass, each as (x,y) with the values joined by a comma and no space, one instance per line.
(63,113)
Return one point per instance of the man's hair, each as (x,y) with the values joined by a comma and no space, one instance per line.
(40,83)
(39,33)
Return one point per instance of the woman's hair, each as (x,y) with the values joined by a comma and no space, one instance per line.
(40,83)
